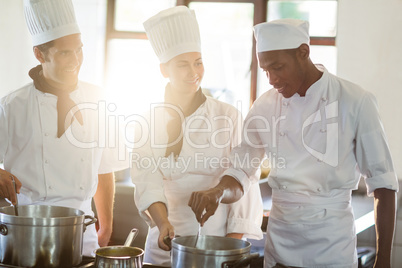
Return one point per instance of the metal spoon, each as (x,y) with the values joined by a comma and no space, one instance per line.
(198,235)
(15,189)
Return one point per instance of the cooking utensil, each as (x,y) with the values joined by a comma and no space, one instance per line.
(15,189)
(120,256)
(211,251)
(198,235)
(42,236)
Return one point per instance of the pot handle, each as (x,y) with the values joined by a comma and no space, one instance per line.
(3,229)
(93,220)
(246,260)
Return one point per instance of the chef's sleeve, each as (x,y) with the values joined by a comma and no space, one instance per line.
(246,158)
(372,152)
(245,216)
(115,154)
(145,174)
(3,133)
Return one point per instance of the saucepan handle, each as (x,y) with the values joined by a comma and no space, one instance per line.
(246,260)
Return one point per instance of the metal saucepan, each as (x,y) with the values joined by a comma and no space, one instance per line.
(211,251)
(120,256)
(42,236)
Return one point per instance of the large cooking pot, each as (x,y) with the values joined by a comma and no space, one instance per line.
(124,256)
(211,251)
(42,236)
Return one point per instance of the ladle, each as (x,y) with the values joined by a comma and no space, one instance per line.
(15,189)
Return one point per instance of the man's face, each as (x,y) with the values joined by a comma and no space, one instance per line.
(284,71)
(185,72)
(63,61)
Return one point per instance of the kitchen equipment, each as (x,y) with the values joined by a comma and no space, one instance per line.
(42,236)
(198,235)
(211,251)
(15,189)
(120,256)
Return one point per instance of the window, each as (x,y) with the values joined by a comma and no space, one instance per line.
(132,76)
(226,35)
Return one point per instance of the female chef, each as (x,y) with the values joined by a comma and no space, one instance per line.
(188,145)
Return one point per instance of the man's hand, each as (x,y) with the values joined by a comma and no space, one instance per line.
(6,186)
(228,191)
(207,201)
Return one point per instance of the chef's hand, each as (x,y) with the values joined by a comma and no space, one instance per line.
(207,201)
(6,186)
(166,234)
(104,235)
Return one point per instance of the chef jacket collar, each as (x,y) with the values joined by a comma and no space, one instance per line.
(314,89)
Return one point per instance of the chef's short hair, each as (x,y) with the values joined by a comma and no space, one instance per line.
(44,48)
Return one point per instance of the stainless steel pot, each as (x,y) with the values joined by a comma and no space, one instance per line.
(211,251)
(120,256)
(42,236)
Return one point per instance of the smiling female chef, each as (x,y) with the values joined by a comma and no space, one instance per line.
(189,143)
(328,132)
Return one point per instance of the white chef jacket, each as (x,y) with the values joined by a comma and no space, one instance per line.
(57,171)
(318,146)
(209,134)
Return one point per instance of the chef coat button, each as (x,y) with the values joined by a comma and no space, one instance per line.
(319,160)
(82,188)
(324,99)
(284,187)
(323,130)
(46,161)
(282,134)
(285,104)
(82,159)
(50,187)
(42,103)
(46,134)
(319,189)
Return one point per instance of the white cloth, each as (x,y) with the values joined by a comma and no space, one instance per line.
(318,145)
(48,20)
(214,127)
(281,34)
(172,32)
(55,171)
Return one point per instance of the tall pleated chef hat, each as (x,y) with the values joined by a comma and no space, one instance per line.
(281,34)
(48,20)
(172,32)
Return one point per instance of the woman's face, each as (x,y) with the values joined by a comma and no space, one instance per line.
(184,71)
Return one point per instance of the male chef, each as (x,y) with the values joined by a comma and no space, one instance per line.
(326,132)
(50,130)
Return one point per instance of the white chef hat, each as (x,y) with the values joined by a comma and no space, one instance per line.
(172,32)
(48,20)
(281,34)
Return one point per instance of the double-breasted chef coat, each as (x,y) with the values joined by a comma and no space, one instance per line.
(209,134)
(318,146)
(57,171)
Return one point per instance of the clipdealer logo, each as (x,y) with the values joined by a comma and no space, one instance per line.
(110,128)
(330,111)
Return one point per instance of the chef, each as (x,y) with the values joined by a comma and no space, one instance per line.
(51,131)
(326,132)
(188,142)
